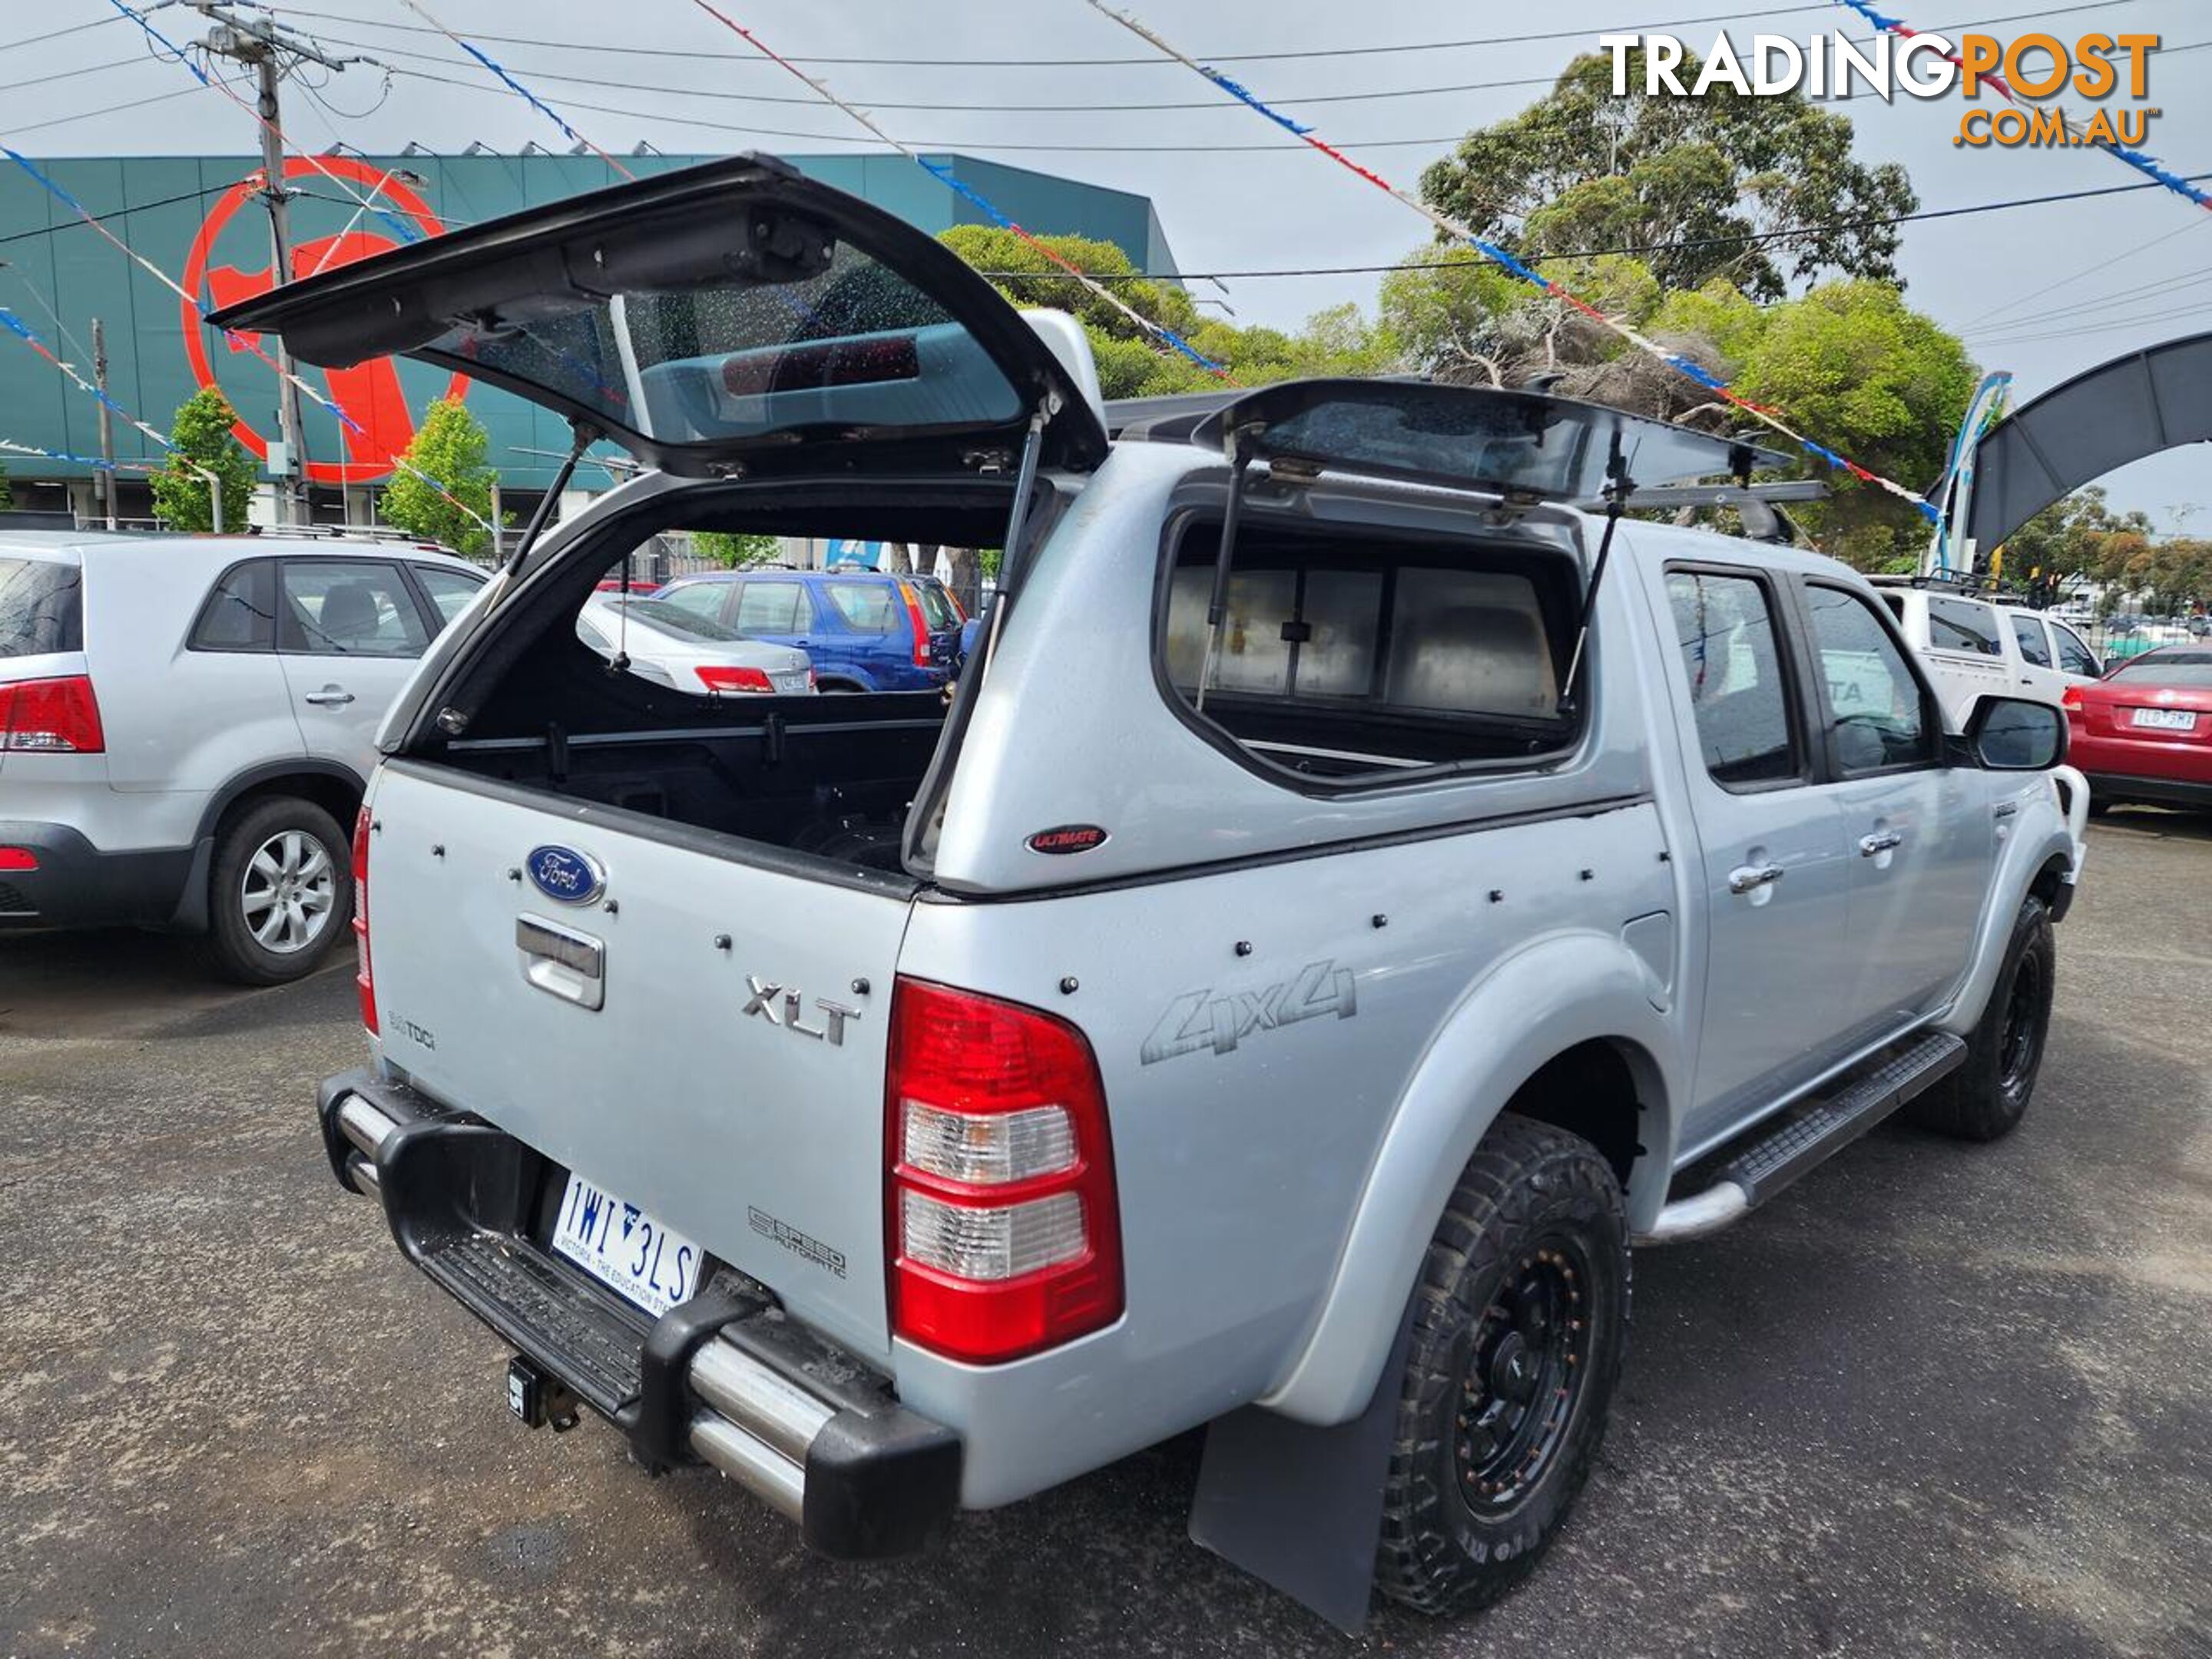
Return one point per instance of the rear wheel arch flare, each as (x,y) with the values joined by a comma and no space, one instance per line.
(334,789)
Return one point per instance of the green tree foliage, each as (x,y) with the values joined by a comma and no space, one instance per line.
(2078,538)
(1582,169)
(1130,363)
(183,499)
(451,447)
(734,551)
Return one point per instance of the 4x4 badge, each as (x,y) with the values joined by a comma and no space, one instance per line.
(1200,1020)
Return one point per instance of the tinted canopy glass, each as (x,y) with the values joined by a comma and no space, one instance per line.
(1524,442)
(734,308)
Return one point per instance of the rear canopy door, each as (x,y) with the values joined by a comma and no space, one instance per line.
(731,318)
(1518,443)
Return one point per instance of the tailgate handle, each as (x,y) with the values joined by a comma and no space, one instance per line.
(560,960)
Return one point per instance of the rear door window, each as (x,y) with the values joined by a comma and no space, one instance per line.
(346,608)
(1732,659)
(449,590)
(707,600)
(865,607)
(1963,625)
(41,607)
(2074,657)
(2034,644)
(937,607)
(773,608)
(240,614)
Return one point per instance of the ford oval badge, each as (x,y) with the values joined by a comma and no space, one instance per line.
(563,873)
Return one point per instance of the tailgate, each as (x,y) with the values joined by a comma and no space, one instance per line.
(757,1133)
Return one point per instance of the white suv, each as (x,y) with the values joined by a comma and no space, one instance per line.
(1975,648)
(186,724)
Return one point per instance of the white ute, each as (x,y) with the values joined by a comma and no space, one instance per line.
(1359,885)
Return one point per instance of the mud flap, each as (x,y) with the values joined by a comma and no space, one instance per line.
(1300,1507)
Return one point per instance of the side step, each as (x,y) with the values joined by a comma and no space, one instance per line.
(1808,1137)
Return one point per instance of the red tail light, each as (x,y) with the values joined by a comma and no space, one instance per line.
(1004,1230)
(2070,699)
(734,679)
(18,859)
(364,978)
(921,658)
(52,717)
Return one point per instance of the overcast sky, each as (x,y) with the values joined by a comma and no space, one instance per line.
(2121,271)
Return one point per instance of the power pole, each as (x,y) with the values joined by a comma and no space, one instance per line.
(107,479)
(274,51)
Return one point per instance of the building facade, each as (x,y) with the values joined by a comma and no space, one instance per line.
(200,219)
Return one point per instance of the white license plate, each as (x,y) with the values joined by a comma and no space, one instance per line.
(787,684)
(621,1246)
(2166,720)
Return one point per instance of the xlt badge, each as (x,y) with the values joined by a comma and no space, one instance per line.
(779,1007)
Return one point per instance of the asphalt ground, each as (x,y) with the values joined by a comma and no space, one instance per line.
(1938,1400)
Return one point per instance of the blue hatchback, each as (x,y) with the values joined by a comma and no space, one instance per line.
(865,630)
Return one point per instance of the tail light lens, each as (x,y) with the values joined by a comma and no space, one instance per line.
(717,679)
(52,717)
(18,859)
(364,977)
(918,622)
(2070,699)
(1004,1228)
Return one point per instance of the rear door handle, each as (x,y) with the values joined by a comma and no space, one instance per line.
(562,962)
(1884,841)
(1749,877)
(331,696)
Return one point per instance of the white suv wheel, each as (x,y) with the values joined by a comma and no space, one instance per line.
(289,889)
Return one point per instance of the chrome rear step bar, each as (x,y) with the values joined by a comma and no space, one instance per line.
(725,1377)
(1806,1139)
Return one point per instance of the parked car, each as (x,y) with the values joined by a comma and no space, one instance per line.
(1975,648)
(189,722)
(1305,956)
(678,646)
(2143,733)
(864,630)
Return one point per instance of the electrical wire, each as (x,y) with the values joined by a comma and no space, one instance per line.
(99,114)
(607,48)
(528,96)
(2126,296)
(74,28)
(2102,262)
(1064,107)
(71,74)
(135,207)
(1158,332)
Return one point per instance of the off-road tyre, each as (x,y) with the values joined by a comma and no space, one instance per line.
(236,952)
(1985,1098)
(1534,1206)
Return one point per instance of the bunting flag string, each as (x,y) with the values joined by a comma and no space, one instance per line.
(1696,372)
(2148,165)
(400,228)
(98,462)
(1160,333)
(238,341)
(16,327)
(524,93)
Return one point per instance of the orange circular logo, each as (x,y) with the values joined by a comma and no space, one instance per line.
(369,392)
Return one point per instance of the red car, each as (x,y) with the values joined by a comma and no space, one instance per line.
(2144,732)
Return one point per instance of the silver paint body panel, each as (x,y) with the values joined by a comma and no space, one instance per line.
(1279,1178)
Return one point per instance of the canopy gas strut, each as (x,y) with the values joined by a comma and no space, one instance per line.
(542,515)
(1619,487)
(1017,521)
(1217,605)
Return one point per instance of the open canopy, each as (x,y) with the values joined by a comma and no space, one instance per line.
(731,316)
(1525,443)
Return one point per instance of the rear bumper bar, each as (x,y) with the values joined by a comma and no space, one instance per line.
(723,1379)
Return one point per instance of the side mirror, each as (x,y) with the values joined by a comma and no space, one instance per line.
(2011,734)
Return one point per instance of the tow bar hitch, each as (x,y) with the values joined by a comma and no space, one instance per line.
(538,1399)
